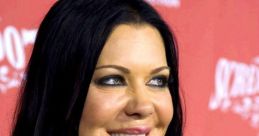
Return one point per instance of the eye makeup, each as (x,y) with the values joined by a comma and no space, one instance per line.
(111,81)
(160,81)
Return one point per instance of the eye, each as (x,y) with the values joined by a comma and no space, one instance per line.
(158,81)
(112,80)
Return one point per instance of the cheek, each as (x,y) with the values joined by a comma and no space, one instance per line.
(100,108)
(164,107)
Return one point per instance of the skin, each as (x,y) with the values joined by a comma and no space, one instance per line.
(136,54)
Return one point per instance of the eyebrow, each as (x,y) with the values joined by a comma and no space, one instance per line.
(156,70)
(123,69)
(127,71)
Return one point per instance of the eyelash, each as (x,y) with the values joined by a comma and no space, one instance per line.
(112,80)
(160,81)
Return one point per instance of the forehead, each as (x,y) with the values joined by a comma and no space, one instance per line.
(141,44)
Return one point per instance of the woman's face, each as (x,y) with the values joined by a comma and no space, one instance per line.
(128,94)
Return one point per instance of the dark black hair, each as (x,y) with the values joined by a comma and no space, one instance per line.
(68,44)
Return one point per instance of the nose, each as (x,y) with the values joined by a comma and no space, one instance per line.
(139,105)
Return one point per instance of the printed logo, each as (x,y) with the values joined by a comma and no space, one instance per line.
(167,3)
(237,89)
(12,50)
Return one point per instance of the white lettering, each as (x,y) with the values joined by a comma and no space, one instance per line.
(28,36)
(1,48)
(12,48)
(15,50)
(222,79)
(237,89)
(168,3)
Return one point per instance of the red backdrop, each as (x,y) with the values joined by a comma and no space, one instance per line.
(219,60)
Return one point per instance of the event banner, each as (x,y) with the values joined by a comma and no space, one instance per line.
(218,43)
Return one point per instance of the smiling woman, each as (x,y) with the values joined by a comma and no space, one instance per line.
(128,90)
(101,68)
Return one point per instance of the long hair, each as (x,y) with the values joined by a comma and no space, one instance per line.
(68,44)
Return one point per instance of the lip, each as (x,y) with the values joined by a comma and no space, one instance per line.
(132,130)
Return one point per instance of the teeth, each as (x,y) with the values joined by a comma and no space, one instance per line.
(128,134)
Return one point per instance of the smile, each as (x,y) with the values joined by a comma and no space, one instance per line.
(137,131)
(128,134)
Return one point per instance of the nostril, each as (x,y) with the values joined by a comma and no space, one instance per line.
(134,116)
(138,109)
